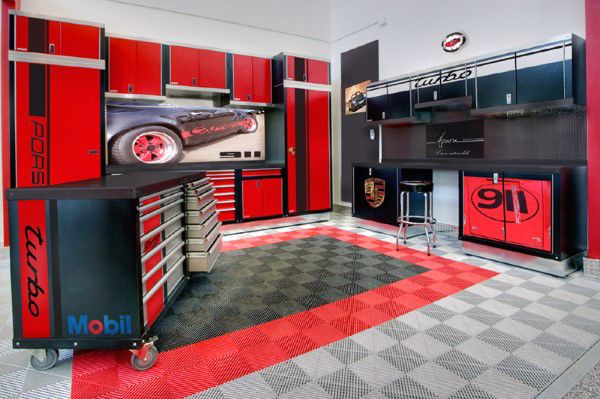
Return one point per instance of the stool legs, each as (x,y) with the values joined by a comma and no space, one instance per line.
(433,233)
(426,221)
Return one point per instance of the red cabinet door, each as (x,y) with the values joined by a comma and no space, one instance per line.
(318,71)
(272,192)
(261,80)
(242,78)
(184,66)
(528,210)
(290,129)
(318,150)
(252,199)
(121,65)
(290,66)
(79,40)
(148,76)
(74,125)
(212,67)
(483,207)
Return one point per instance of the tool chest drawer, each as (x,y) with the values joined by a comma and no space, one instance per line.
(201,216)
(202,244)
(204,261)
(193,203)
(201,230)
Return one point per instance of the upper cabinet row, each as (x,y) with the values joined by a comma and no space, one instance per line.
(144,68)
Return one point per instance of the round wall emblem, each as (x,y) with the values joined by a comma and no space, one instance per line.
(453,42)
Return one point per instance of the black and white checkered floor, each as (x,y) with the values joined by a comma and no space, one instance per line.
(520,334)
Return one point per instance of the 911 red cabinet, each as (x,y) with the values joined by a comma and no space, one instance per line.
(251,79)
(198,67)
(516,211)
(134,66)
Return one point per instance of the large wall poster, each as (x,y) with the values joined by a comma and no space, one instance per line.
(167,133)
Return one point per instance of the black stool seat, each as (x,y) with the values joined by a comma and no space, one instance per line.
(415,186)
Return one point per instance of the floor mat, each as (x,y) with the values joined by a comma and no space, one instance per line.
(256,285)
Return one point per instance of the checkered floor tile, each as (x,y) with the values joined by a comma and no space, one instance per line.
(508,336)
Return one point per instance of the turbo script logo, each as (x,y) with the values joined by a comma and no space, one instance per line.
(33,239)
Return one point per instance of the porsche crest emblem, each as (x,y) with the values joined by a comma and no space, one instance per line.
(375,191)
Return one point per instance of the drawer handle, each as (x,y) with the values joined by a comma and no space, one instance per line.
(159,193)
(160,228)
(163,279)
(160,264)
(160,201)
(160,210)
(163,244)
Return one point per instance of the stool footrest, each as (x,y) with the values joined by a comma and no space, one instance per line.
(416,220)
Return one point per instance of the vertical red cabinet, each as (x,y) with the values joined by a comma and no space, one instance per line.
(307,70)
(50,36)
(198,67)
(262,193)
(308,150)
(252,79)
(318,150)
(134,67)
(515,211)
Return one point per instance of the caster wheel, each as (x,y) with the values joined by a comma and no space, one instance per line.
(47,363)
(147,362)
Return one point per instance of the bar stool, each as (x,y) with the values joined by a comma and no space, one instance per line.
(406,219)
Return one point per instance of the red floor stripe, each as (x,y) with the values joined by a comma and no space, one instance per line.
(184,371)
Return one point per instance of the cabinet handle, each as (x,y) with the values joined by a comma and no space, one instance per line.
(292,150)
(248,97)
(51,48)
(258,184)
(129,88)
(193,81)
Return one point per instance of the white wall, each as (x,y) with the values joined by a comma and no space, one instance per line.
(271,26)
(410,40)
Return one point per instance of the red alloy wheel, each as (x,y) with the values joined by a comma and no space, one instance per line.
(154,147)
(250,124)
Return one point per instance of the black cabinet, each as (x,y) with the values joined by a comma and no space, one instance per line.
(496,82)
(398,99)
(377,102)
(375,195)
(429,87)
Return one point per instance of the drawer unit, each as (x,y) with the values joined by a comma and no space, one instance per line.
(202,215)
(132,272)
(224,182)
(199,202)
(202,230)
(204,243)
(204,261)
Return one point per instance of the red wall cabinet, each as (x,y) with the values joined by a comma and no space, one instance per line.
(515,211)
(134,67)
(262,197)
(37,35)
(198,67)
(307,70)
(251,79)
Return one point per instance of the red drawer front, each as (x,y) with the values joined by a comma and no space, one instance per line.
(483,207)
(220,173)
(226,216)
(225,196)
(156,303)
(261,172)
(225,204)
(220,182)
(528,210)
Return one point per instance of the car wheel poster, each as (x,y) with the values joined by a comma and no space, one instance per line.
(166,133)
(356,98)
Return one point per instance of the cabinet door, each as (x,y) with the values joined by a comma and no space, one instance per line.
(528,208)
(318,150)
(242,77)
(184,66)
(318,71)
(211,65)
(148,79)
(496,83)
(252,201)
(376,103)
(272,190)
(121,65)
(74,125)
(79,40)
(261,80)
(291,153)
(483,208)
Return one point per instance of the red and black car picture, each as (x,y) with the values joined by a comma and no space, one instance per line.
(141,133)
(357,101)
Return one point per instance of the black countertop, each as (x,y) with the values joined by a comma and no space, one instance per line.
(524,166)
(192,167)
(127,186)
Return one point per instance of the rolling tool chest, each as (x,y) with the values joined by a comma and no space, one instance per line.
(95,263)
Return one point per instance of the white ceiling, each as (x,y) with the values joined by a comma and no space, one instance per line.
(306,18)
